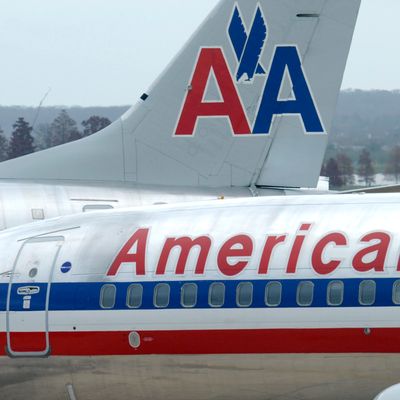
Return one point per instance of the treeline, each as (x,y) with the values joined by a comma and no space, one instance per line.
(342,171)
(364,141)
(367,120)
(26,139)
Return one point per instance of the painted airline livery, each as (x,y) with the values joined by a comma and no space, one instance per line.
(269,298)
(236,114)
(265,298)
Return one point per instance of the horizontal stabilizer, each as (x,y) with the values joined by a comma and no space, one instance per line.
(374,190)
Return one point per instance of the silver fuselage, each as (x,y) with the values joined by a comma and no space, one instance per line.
(358,359)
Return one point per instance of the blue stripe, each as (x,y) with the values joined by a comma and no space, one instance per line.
(86,296)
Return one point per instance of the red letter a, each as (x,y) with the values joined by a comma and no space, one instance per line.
(140,239)
(195,106)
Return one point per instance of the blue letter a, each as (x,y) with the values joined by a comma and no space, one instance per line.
(287,57)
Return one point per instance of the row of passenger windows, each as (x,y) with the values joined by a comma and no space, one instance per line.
(244,294)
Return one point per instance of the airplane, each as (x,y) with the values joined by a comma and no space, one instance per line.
(267,298)
(237,113)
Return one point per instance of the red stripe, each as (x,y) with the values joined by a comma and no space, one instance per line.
(281,341)
(32,342)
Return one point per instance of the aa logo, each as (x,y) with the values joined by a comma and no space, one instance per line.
(248,44)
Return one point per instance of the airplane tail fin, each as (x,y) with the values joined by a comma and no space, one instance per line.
(248,101)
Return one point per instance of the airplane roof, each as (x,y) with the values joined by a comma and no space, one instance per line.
(75,221)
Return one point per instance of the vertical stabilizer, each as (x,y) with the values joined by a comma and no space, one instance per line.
(248,101)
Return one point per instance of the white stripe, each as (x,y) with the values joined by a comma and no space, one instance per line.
(132,320)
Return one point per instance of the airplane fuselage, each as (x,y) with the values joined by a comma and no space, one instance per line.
(22,202)
(238,299)
(249,299)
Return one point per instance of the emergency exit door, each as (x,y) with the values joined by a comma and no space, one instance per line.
(28,297)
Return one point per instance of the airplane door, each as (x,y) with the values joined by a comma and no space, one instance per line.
(28,297)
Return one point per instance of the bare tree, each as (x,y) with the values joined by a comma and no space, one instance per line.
(346,169)
(331,170)
(64,129)
(94,124)
(43,137)
(393,164)
(366,169)
(3,146)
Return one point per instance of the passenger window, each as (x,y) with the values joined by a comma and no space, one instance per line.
(367,293)
(216,296)
(396,293)
(305,294)
(161,295)
(273,294)
(189,295)
(107,296)
(244,294)
(335,293)
(134,296)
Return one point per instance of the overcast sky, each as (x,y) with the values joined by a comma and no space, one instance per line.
(102,52)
